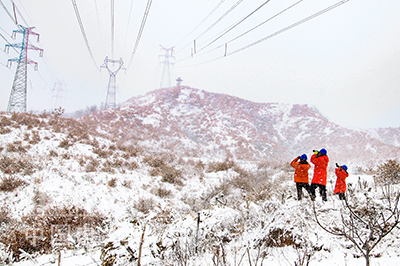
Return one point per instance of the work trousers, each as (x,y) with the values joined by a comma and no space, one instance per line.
(300,187)
(341,196)
(322,191)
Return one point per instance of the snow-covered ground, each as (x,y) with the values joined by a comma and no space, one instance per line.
(248,213)
(240,226)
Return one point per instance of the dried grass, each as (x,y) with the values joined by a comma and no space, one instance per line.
(37,232)
(10,183)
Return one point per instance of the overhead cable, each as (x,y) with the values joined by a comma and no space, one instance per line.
(112,29)
(146,13)
(98,24)
(8,12)
(275,33)
(241,35)
(127,26)
(201,22)
(15,7)
(78,17)
(234,26)
(10,45)
(262,23)
(290,27)
(221,18)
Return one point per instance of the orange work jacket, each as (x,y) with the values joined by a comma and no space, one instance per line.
(320,172)
(340,186)
(301,173)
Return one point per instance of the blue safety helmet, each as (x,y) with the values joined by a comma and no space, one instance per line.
(323,151)
(303,157)
(344,167)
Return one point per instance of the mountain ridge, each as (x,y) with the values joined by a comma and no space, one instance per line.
(198,123)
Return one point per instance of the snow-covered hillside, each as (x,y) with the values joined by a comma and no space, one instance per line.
(127,187)
(203,124)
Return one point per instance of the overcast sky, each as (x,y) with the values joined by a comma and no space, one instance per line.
(345,62)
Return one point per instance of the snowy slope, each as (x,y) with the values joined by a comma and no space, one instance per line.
(200,123)
(147,180)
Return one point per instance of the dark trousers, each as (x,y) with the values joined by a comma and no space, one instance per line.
(300,187)
(322,190)
(341,196)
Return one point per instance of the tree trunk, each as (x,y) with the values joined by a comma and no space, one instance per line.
(367,258)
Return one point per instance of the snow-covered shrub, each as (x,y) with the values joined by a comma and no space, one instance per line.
(112,182)
(41,198)
(127,183)
(17,146)
(388,172)
(366,220)
(144,205)
(154,161)
(5,122)
(171,175)
(103,152)
(220,166)
(129,151)
(5,215)
(40,233)
(9,165)
(34,138)
(4,130)
(92,165)
(159,168)
(161,191)
(65,143)
(25,119)
(279,237)
(53,153)
(10,183)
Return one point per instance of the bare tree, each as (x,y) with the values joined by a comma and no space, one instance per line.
(366,223)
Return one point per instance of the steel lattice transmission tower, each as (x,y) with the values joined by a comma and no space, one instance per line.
(166,74)
(18,96)
(58,89)
(112,83)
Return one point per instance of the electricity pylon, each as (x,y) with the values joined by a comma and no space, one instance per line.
(179,81)
(18,96)
(166,74)
(112,83)
(58,89)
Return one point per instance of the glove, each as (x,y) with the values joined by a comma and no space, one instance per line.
(337,165)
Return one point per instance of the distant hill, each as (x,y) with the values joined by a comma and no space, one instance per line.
(196,123)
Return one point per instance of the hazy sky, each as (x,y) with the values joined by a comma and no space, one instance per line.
(345,62)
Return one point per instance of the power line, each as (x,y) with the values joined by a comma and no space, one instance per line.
(19,13)
(201,22)
(265,21)
(98,24)
(290,27)
(146,13)
(127,26)
(250,30)
(275,33)
(8,12)
(241,35)
(112,28)
(234,26)
(8,41)
(221,18)
(78,17)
